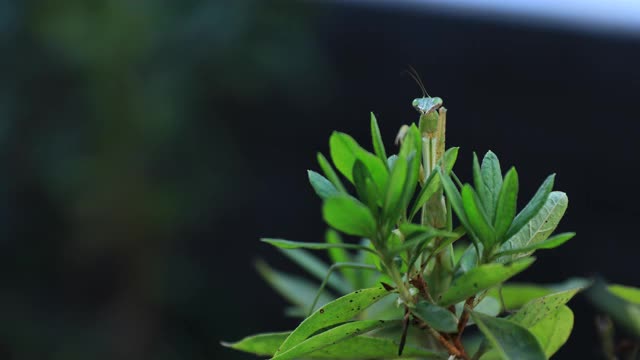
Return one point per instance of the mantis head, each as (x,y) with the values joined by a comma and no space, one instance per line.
(425,105)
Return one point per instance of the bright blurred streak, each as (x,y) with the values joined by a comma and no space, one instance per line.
(598,15)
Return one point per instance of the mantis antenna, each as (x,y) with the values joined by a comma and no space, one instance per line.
(416,77)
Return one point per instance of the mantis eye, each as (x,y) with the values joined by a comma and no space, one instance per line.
(415,102)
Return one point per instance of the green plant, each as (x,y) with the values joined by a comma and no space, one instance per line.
(431,258)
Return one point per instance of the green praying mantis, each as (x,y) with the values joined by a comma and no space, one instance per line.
(435,213)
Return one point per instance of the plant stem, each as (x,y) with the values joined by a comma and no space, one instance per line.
(404,293)
(451,348)
(462,323)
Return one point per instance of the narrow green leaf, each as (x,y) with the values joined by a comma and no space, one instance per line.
(338,311)
(453,195)
(330,173)
(360,347)
(540,226)
(365,187)
(510,340)
(553,331)
(449,158)
(537,309)
(376,138)
(348,215)
(535,204)
(323,187)
(330,337)
(478,182)
(339,254)
(411,149)
(437,317)
(477,217)
(550,243)
(507,202)
(287,244)
(395,189)
(316,267)
(344,153)
(420,238)
(295,312)
(449,239)
(431,186)
(296,290)
(260,344)
(492,181)
(481,278)
(628,293)
(433,183)
(391,160)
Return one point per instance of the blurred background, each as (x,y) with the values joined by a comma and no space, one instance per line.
(147,145)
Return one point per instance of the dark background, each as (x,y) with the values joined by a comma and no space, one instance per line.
(147,145)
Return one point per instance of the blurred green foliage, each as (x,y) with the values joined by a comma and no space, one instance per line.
(114,128)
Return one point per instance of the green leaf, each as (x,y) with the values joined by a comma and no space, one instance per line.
(420,238)
(395,189)
(365,347)
(323,187)
(287,244)
(344,153)
(506,208)
(535,204)
(491,184)
(350,216)
(431,186)
(537,309)
(339,254)
(391,160)
(488,306)
(515,295)
(330,173)
(540,226)
(376,138)
(365,187)
(316,267)
(437,317)
(628,293)
(296,290)
(624,313)
(355,348)
(449,158)
(510,340)
(468,260)
(433,183)
(328,338)
(478,182)
(554,330)
(260,344)
(454,197)
(335,312)
(481,278)
(550,243)
(449,239)
(477,217)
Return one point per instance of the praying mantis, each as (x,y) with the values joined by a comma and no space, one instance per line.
(435,212)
